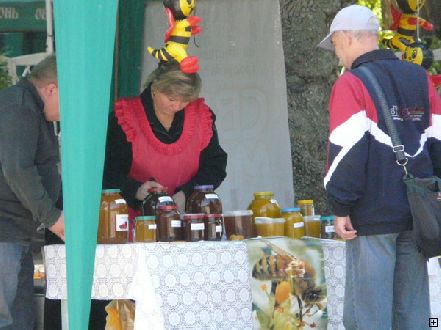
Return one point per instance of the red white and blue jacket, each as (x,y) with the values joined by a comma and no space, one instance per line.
(363,179)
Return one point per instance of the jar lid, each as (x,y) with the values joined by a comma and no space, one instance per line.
(145,218)
(327,217)
(290,209)
(111,191)
(203,187)
(263,194)
(305,201)
(157,189)
(212,215)
(312,217)
(193,216)
(268,220)
(238,213)
(167,207)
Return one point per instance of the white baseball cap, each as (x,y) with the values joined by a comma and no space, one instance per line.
(351,18)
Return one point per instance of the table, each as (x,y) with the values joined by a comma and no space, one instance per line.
(198,285)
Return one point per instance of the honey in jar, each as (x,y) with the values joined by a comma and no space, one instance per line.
(203,200)
(194,227)
(327,227)
(156,197)
(313,226)
(306,207)
(294,224)
(169,224)
(264,205)
(145,229)
(113,219)
(213,227)
(266,226)
(238,224)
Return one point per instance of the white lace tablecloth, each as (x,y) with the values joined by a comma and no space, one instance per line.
(335,264)
(198,285)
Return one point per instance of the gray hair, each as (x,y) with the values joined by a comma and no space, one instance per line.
(45,72)
(171,81)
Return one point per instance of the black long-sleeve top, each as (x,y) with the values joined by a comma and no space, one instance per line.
(212,161)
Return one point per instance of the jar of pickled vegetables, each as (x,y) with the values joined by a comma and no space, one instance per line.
(113,219)
(306,207)
(294,224)
(266,226)
(156,197)
(313,225)
(203,200)
(145,229)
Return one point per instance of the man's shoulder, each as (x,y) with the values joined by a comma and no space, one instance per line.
(15,99)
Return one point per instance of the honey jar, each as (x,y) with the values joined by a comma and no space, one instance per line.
(145,229)
(194,227)
(306,207)
(169,224)
(238,224)
(113,218)
(327,227)
(213,227)
(204,200)
(156,197)
(313,226)
(294,224)
(266,226)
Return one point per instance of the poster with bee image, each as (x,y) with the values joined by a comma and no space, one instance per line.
(287,283)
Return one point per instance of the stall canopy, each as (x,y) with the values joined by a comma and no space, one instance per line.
(22,16)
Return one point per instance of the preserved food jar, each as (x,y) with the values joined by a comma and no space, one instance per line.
(294,224)
(312,224)
(238,224)
(266,227)
(169,224)
(204,200)
(213,227)
(306,207)
(264,205)
(114,219)
(194,227)
(327,227)
(145,229)
(156,197)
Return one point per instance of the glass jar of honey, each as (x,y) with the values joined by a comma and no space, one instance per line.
(264,205)
(294,224)
(204,200)
(266,226)
(156,197)
(327,227)
(194,227)
(306,207)
(238,224)
(169,224)
(113,219)
(213,227)
(145,229)
(312,225)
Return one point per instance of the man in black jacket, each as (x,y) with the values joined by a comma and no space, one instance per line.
(29,186)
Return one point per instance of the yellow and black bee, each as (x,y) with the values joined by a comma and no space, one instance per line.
(297,274)
(181,28)
(405,23)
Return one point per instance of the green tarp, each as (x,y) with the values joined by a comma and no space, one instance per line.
(22,16)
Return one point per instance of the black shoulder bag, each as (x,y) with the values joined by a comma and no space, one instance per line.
(423,193)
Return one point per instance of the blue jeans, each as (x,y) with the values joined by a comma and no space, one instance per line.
(387,285)
(16,286)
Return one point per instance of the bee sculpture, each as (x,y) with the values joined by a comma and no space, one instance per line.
(284,267)
(181,27)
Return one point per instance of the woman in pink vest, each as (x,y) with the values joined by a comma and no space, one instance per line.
(164,137)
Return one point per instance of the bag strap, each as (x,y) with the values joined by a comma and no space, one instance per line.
(397,146)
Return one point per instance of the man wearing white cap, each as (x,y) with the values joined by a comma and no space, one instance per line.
(386,276)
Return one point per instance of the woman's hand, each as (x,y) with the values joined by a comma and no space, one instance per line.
(179,199)
(143,190)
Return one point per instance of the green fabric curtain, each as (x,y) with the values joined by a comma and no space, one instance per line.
(85,36)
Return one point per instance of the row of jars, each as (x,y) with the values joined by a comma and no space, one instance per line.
(160,220)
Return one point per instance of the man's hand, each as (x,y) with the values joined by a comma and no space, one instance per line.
(143,191)
(179,199)
(343,228)
(58,227)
